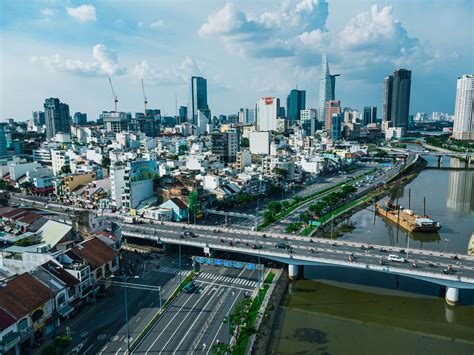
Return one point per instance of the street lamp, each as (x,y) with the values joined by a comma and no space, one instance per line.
(446,240)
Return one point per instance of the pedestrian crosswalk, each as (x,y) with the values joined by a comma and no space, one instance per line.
(234,280)
(171,270)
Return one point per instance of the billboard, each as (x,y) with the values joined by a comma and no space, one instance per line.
(143,170)
(268,100)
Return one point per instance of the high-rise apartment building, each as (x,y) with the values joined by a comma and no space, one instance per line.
(38,118)
(198,99)
(396,102)
(327,87)
(369,116)
(246,116)
(79,118)
(57,117)
(332,107)
(267,110)
(463,128)
(226,145)
(295,102)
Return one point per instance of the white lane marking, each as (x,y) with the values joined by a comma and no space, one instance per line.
(177,313)
(103,349)
(118,351)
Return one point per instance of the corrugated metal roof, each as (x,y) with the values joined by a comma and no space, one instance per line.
(52,232)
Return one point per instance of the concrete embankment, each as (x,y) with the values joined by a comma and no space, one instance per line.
(264,331)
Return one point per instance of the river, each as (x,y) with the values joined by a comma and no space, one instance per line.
(355,312)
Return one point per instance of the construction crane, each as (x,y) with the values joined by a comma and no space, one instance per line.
(144,96)
(114,95)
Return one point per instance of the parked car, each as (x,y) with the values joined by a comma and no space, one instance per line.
(281,245)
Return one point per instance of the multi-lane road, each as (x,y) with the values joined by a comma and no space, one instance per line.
(195,321)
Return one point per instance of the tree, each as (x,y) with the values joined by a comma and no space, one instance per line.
(193,201)
(105,162)
(274,207)
(244,142)
(304,217)
(66,169)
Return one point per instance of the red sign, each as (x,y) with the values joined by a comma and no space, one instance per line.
(268,100)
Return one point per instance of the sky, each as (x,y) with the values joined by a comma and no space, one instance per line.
(246,49)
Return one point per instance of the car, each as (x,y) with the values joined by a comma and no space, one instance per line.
(256,246)
(382,262)
(189,234)
(281,245)
(396,258)
(190,287)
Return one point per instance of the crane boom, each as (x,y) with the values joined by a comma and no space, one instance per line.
(144,96)
(113,94)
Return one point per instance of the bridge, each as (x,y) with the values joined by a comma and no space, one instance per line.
(304,251)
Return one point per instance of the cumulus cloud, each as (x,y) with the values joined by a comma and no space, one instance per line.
(271,34)
(48,12)
(177,74)
(157,24)
(83,13)
(106,63)
(375,38)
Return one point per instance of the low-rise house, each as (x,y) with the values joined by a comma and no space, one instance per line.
(179,208)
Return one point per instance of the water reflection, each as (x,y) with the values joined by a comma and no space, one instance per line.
(460,190)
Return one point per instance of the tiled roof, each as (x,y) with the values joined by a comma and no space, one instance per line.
(96,252)
(6,319)
(60,273)
(179,203)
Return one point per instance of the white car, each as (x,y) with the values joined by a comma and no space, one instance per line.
(396,258)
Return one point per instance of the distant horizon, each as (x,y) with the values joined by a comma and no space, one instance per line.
(245,50)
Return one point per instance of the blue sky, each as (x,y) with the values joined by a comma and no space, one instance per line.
(246,49)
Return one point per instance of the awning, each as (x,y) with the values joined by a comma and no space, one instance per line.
(65,311)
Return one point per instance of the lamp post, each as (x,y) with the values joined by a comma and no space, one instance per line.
(445,244)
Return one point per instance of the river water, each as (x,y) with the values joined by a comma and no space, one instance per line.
(355,312)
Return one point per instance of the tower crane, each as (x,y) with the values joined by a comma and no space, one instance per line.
(144,96)
(113,93)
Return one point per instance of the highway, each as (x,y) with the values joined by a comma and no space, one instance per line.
(193,322)
(307,251)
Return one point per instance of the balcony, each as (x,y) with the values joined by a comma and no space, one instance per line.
(9,341)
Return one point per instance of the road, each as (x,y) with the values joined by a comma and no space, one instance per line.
(193,322)
(100,328)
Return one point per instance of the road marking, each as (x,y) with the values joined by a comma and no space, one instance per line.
(103,349)
(118,351)
(85,352)
(171,321)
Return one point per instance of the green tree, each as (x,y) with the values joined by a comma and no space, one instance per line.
(105,161)
(193,201)
(66,169)
(244,142)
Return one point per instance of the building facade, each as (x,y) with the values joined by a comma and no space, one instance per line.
(57,117)
(198,99)
(267,109)
(327,87)
(463,128)
(295,102)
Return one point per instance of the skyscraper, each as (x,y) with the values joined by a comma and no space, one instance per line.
(369,115)
(295,102)
(198,99)
(38,117)
(327,87)
(400,98)
(463,128)
(183,114)
(3,141)
(57,117)
(332,107)
(387,98)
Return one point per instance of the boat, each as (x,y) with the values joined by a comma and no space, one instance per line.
(407,219)
(470,246)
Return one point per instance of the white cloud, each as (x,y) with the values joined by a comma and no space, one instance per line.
(48,12)
(315,40)
(83,13)
(178,74)
(271,34)
(157,24)
(106,63)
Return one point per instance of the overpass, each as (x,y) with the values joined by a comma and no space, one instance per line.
(304,251)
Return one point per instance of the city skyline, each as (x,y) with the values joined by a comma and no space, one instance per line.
(67,50)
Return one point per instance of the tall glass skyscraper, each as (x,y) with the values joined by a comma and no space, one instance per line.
(327,88)
(57,117)
(295,102)
(198,99)
(401,97)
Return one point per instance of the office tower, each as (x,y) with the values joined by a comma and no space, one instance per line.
(79,118)
(57,117)
(332,107)
(463,128)
(148,124)
(198,99)
(246,116)
(327,87)
(401,97)
(336,123)
(308,119)
(226,145)
(183,114)
(267,110)
(369,116)
(281,112)
(295,102)
(116,122)
(387,99)
(38,118)
(3,141)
